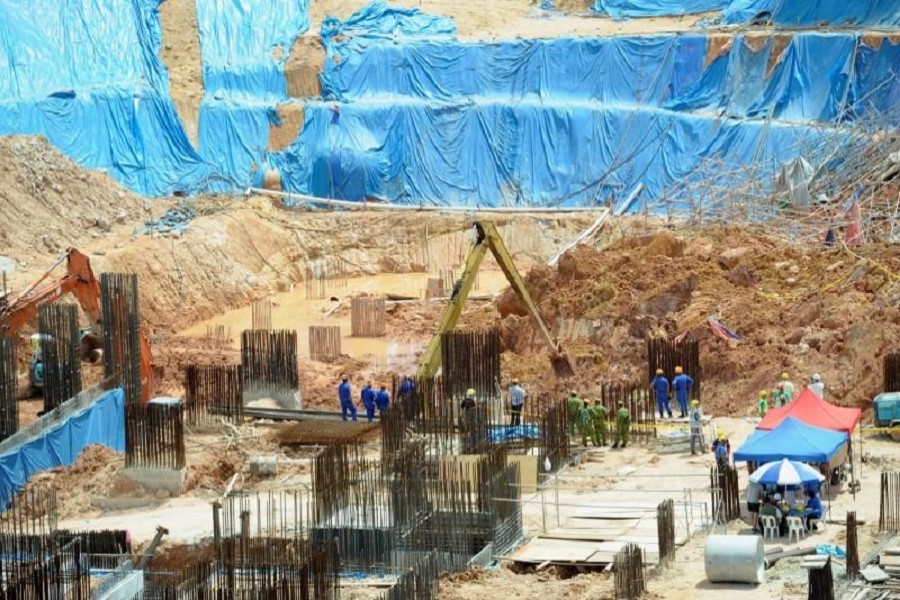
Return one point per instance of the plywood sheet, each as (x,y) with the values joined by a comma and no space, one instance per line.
(527,471)
(542,549)
(613,512)
(887,560)
(626,524)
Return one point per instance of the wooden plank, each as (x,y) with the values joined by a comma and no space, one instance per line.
(611,512)
(540,550)
(594,534)
(887,560)
(627,524)
(895,551)
(873,574)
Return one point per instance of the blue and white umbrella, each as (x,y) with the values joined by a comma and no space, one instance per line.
(786,472)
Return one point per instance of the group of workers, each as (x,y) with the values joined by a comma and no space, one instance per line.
(592,422)
(763,502)
(681,385)
(370,399)
(784,393)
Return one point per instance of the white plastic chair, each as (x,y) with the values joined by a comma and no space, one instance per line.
(770,526)
(795,526)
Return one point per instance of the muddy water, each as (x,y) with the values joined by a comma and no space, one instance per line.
(293,310)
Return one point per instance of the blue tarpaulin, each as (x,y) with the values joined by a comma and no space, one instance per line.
(795,13)
(103,422)
(793,440)
(87,76)
(620,9)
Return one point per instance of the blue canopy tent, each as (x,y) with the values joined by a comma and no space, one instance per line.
(794,440)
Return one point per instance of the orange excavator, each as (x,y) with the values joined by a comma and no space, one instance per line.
(79,280)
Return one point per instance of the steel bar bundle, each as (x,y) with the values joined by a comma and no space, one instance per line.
(269,363)
(726,500)
(889,513)
(628,566)
(9,387)
(212,391)
(320,271)
(554,437)
(665,527)
(892,372)
(367,317)
(121,332)
(419,582)
(821,582)
(218,336)
(154,435)
(506,512)
(471,359)
(324,342)
(61,351)
(852,546)
(261,315)
(667,354)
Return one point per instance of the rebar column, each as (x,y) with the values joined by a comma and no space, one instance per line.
(122,332)
(60,353)
(667,354)
(9,387)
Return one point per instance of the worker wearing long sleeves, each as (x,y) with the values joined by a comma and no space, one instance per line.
(601,423)
(573,408)
(382,399)
(816,385)
(623,424)
(682,385)
(763,403)
(585,424)
(367,395)
(787,385)
(660,385)
(345,395)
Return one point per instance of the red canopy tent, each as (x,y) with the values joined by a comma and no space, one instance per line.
(812,410)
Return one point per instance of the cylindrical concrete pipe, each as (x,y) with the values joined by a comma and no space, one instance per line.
(735,559)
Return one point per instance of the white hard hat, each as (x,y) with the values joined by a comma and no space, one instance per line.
(777,496)
(816,377)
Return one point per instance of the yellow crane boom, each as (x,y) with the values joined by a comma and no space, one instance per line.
(487,238)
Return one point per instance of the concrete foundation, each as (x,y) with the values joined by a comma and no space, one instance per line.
(154,480)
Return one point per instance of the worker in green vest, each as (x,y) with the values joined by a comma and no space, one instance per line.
(601,423)
(763,403)
(623,424)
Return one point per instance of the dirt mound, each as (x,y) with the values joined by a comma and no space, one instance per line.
(798,309)
(88,477)
(48,203)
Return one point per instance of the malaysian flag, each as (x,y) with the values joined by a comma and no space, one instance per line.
(681,337)
(721,331)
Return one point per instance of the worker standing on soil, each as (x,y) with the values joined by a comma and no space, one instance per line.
(763,403)
(623,424)
(367,395)
(517,395)
(787,385)
(573,407)
(382,400)
(816,385)
(660,385)
(682,385)
(345,395)
(782,396)
(696,420)
(600,422)
(585,424)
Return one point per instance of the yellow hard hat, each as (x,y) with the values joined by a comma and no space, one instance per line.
(722,436)
(516,381)
(785,376)
(573,393)
(695,403)
(659,371)
(470,393)
(678,370)
(763,393)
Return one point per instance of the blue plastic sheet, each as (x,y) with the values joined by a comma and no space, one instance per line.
(796,13)
(620,9)
(101,423)
(245,44)
(87,76)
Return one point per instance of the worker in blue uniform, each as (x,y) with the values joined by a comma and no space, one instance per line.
(660,385)
(382,399)
(682,385)
(345,395)
(367,395)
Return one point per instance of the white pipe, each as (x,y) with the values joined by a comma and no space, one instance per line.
(735,558)
(365,205)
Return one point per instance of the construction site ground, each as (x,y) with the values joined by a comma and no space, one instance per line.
(802,308)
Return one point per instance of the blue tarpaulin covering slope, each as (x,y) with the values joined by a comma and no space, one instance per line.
(619,9)
(793,440)
(103,422)
(87,76)
(796,13)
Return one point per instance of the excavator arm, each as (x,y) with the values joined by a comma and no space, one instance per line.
(487,238)
(79,280)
